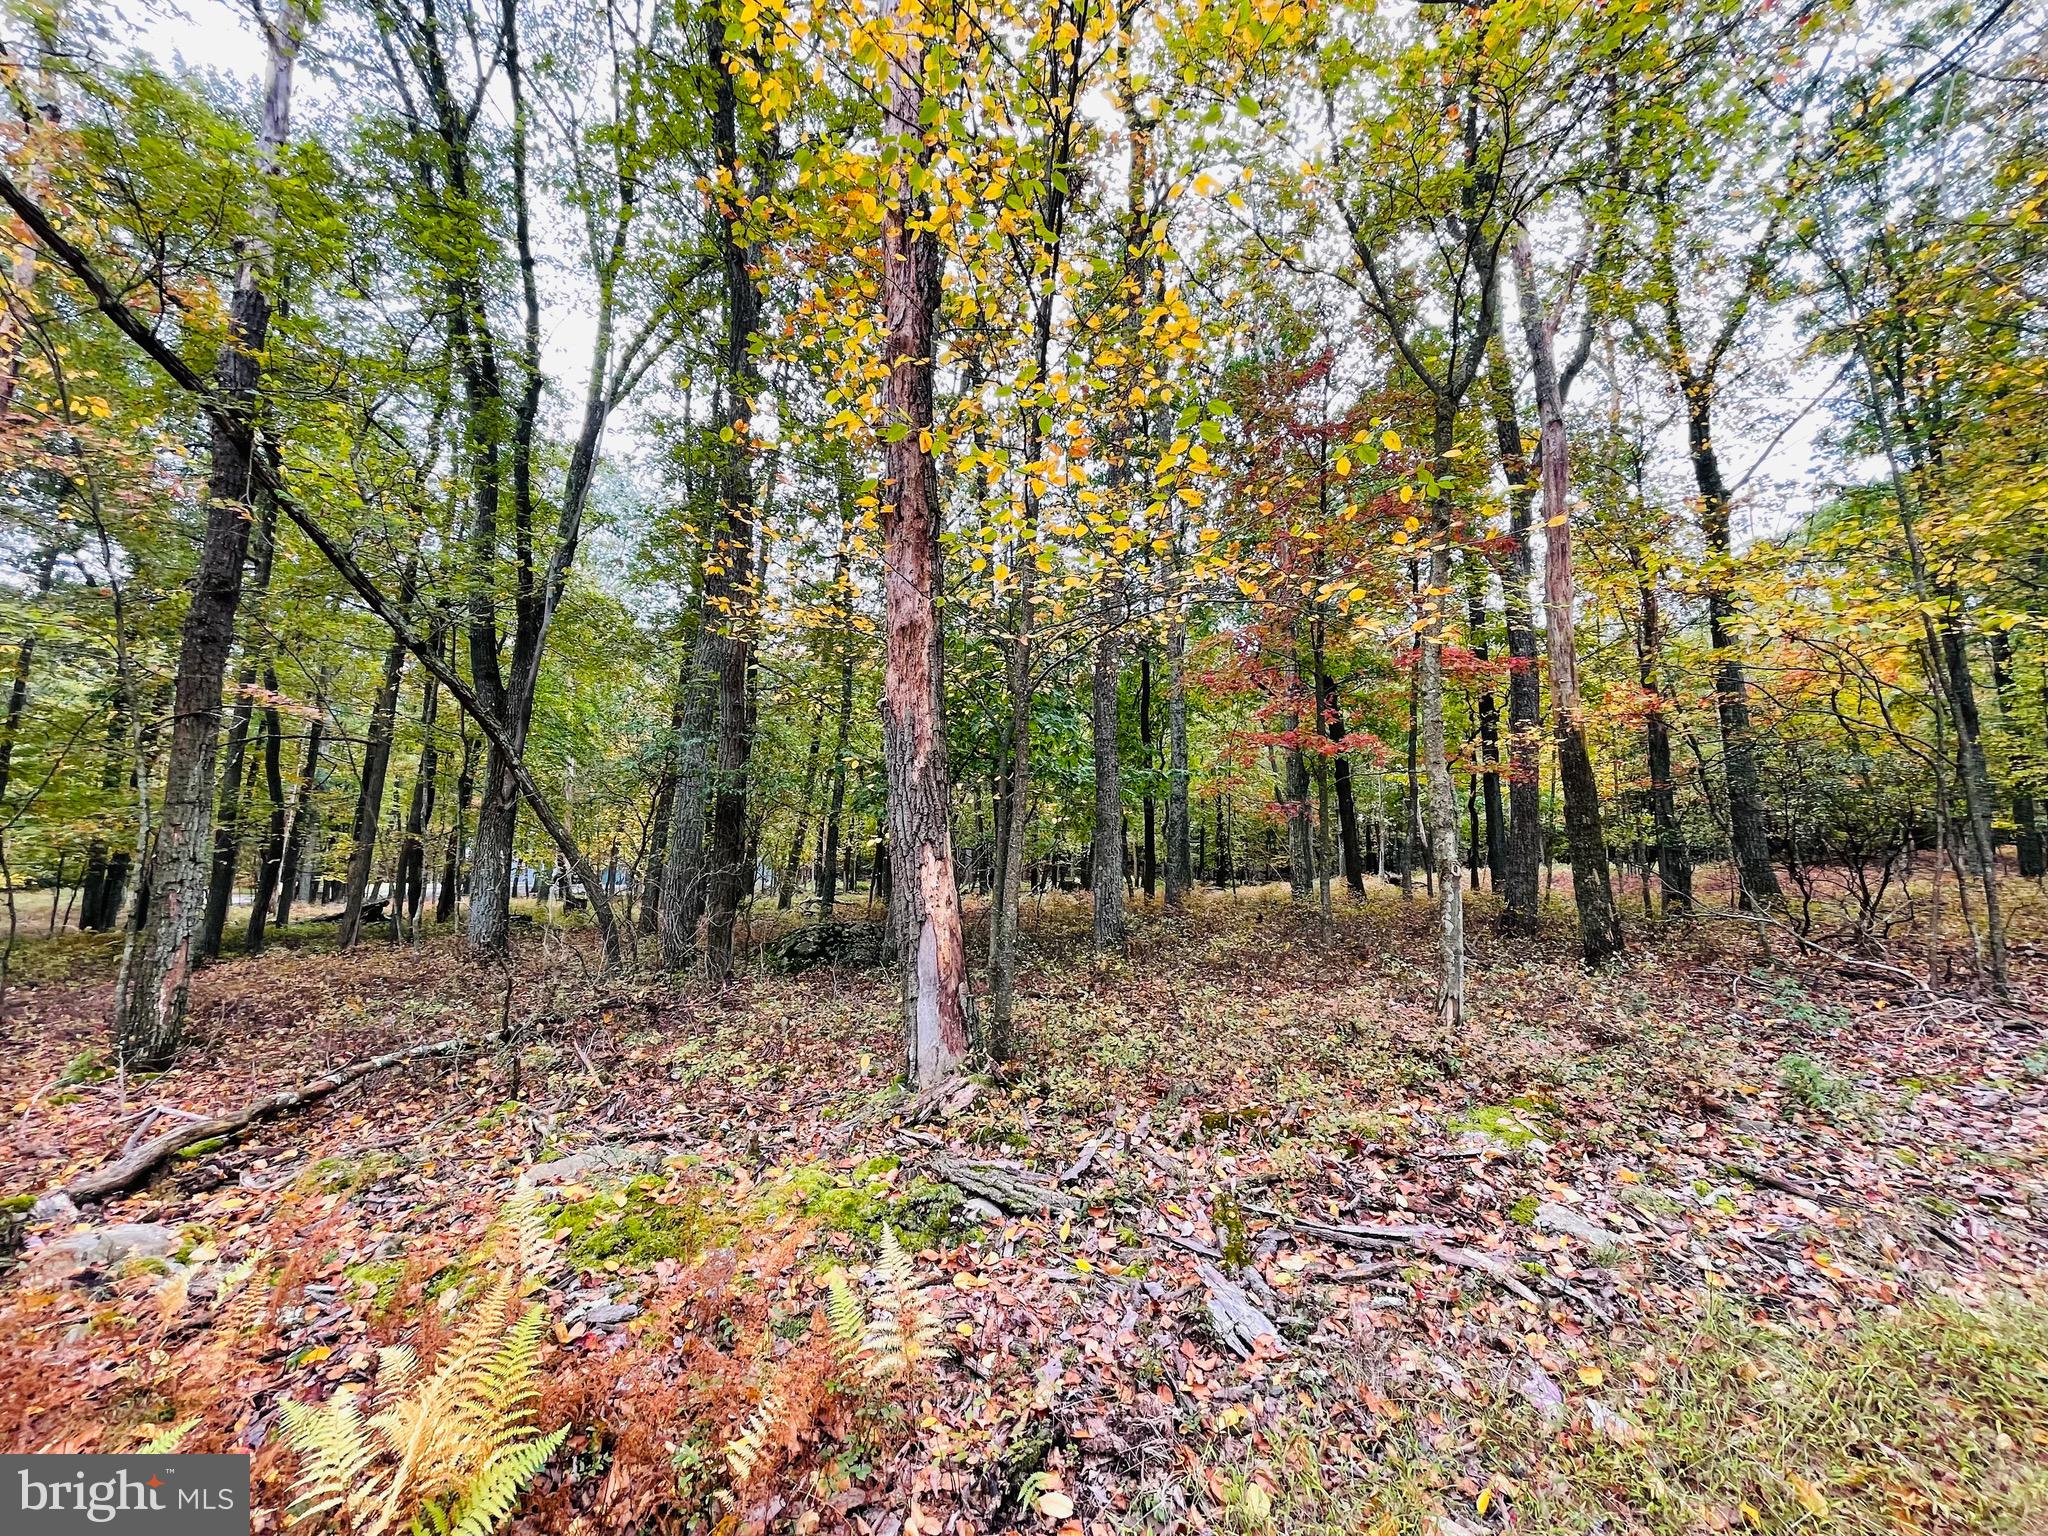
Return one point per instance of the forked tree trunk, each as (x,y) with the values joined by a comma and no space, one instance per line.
(924,891)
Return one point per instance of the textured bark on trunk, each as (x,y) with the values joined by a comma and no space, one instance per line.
(1523,855)
(409,890)
(1330,715)
(270,857)
(728,627)
(1443,801)
(1674,858)
(924,891)
(150,1002)
(1148,864)
(1489,735)
(227,832)
(1592,888)
(1180,872)
(451,866)
(301,823)
(1106,870)
(370,795)
(1748,829)
(2027,831)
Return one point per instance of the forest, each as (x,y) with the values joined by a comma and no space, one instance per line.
(928,767)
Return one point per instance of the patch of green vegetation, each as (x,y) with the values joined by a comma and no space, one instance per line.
(1513,1124)
(1813,1084)
(383,1277)
(88,1066)
(864,1201)
(200,1149)
(636,1227)
(1227,1216)
(1651,1202)
(1523,1212)
(14,1205)
(346,1175)
(1929,1419)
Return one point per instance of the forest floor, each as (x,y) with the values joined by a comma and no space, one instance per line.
(1714,1239)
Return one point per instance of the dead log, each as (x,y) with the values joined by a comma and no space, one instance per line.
(1236,1319)
(1000,1188)
(137,1165)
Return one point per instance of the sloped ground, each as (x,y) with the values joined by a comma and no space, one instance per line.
(1711,1240)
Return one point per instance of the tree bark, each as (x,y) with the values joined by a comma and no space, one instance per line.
(1180,873)
(924,891)
(150,1005)
(1106,872)
(370,795)
(1443,804)
(1592,889)
(227,832)
(270,858)
(1523,854)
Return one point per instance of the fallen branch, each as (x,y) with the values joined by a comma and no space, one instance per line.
(1238,1322)
(1431,1241)
(133,1167)
(1006,1191)
(1763,1178)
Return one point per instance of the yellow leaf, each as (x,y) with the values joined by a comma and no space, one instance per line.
(1055,1505)
(1407,493)
(1591,1375)
(1343,466)
(1555,522)
(1752,1514)
(1392,441)
(1807,1494)
(1485,1498)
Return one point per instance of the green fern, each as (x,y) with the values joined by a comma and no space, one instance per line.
(847,1315)
(447,1452)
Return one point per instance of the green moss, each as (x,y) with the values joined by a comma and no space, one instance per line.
(14,1205)
(345,1175)
(1523,1212)
(88,1066)
(863,1202)
(202,1148)
(1513,1124)
(383,1277)
(636,1227)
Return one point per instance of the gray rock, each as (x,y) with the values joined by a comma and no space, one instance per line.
(104,1248)
(610,1314)
(53,1209)
(607,1159)
(1551,1217)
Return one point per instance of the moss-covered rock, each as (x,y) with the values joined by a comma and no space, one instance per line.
(636,1227)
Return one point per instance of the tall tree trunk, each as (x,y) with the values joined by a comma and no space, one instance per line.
(409,890)
(1674,858)
(924,891)
(1148,864)
(301,822)
(1749,832)
(730,626)
(2027,830)
(451,866)
(1489,733)
(1443,804)
(227,831)
(1106,872)
(150,1001)
(1180,873)
(370,795)
(1592,889)
(1330,714)
(270,858)
(785,894)
(835,804)
(1523,855)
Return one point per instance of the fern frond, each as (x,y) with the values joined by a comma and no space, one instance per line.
(743,1451)
(847,1313)
(497,1486)
(529,1238)
(335,1451)
(165,1440)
